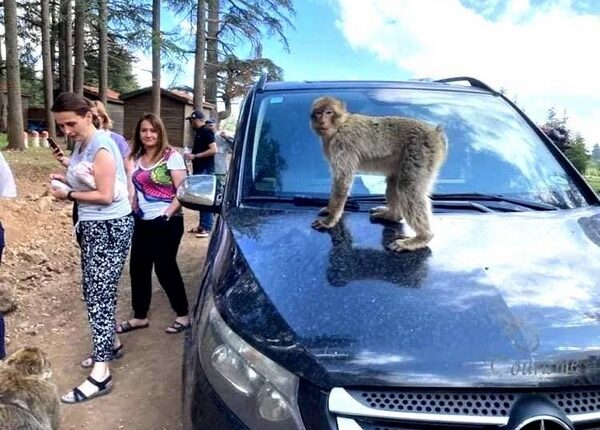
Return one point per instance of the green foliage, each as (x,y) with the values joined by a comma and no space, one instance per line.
(577,153)
(573,147)
(594,181)
(592,175)
(593,169)
(553,120)
(239,74)
(241,23)
(3,140)
(251,22)
(29,23)
(596,153)
(32,86)
(236,75)
(120,72)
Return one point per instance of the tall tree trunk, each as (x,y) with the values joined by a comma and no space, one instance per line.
(54,30)
(65,47)
(78,42)
(212,52)
(2,96)
(13,78)
(47,67)
(103,46)
(156,57)
(200,53)
(62,78)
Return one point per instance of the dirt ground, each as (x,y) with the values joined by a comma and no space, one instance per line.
(41,272)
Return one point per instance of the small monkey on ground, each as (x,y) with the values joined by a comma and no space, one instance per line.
(28,400)
(408,151)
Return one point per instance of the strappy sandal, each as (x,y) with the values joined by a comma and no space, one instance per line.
(104,388)
(176,327)
(117,353)
(126,326)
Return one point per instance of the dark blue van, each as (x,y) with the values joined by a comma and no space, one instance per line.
(496,325)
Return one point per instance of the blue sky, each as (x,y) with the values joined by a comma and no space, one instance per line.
(319,50)
(543,52)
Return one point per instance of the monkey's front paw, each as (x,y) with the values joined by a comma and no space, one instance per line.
(323,223)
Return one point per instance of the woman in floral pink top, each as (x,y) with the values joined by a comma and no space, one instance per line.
(158,171)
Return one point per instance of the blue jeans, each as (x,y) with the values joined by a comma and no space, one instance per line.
(206,218)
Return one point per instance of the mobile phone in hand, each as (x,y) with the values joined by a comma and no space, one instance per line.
(55,148)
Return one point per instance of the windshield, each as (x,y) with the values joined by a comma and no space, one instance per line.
(491,149)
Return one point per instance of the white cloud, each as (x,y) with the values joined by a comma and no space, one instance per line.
(543,55)
(143,70)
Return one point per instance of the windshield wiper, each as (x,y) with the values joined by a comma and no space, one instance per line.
(300,200)
(351,204)
(539,206)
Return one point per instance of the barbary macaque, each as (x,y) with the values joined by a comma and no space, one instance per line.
(28,400)
(408,151)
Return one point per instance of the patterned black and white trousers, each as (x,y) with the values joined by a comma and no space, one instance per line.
(104,248)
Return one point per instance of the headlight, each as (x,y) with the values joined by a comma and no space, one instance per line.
(259,391)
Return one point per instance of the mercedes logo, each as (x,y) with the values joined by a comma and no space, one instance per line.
(543,423)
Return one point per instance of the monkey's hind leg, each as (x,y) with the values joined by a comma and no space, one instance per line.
(390,212)
(416,208)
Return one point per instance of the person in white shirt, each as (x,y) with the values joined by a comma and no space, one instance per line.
(7,181)
(7,189)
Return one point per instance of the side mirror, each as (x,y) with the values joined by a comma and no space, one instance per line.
(201,192)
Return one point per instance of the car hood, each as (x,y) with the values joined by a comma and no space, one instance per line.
(500,299)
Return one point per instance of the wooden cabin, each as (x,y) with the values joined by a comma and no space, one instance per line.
(175,106)
(114,105)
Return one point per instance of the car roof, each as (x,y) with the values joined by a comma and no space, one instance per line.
(475,85)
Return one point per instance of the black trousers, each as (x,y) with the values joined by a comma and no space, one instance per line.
(1,241)
(155,244)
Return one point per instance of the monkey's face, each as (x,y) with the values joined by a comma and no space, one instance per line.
(327,114)
(323,118)
(30,361)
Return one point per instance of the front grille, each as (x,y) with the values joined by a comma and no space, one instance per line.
(576,402)
(457,409)
(475,403)
(369,426)
(438,402)
(365,425)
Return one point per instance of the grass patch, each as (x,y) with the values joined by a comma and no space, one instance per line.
(41,157)
(594,181)
(3,140)
(33,163)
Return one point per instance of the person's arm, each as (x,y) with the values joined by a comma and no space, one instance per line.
(104,175)
(128,165)
(192,154)
(212,150)
(61,157)
(178,176)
